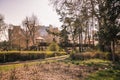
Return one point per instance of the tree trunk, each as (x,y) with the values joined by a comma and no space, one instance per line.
(93,39)
(33,40)
(81,39)
(113,50)
(85,40)
(93,32)
(100,39)
(27,43)
(79,43)
(88,36)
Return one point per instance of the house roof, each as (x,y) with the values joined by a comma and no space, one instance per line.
(40,38)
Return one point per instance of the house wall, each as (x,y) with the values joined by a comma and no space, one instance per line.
(16,36)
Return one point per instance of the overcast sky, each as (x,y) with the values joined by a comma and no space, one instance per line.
(15,11)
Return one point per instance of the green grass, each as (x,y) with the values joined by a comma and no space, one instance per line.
(112,72)
(89,62)
(109,74)
(12,66)
(9,67)
(109,70)
(96,62)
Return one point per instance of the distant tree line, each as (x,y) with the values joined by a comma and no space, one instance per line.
(80,17)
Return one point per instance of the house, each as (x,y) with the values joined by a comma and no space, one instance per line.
(18,39)
(46,35)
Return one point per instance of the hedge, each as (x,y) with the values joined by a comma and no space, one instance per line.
(10,56)
(94,54)
(89,55)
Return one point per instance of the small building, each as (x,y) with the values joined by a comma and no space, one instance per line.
(40,39)
(18,37)
(41,43)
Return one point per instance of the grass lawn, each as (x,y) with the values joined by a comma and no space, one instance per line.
(91,69)
(104,69)
(30,63)
(109,74)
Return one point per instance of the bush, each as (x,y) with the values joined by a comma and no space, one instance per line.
(10,56)
(100,54)
(76,56)
(53,47)
(117,56)
(50,54)
(7,56)
(31,56)
(89,55)
(18,56)
(54,53)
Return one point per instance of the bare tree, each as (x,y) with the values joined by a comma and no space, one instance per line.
(30,28)
(3,27)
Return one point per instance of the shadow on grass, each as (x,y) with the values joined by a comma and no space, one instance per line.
(102,69)
(112,73)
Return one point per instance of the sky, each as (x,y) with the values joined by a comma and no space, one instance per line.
(15,11)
